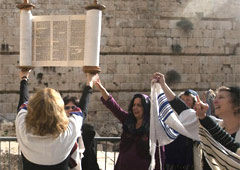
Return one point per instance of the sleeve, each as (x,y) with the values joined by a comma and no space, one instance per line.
(84,100)
(114,107)
(219,134)
(77,115)
(178,105)
(24,93)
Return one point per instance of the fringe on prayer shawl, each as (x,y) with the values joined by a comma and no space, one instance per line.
(76,155)
(217,156)
(164,123)
(78,149)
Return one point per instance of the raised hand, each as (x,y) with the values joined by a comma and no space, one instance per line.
(90,79)
(97,83)
(24,74)
(200,108)
(159,77)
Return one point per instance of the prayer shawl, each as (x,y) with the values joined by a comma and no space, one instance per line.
(165,125)
(76,153)
(217,156)
(163,122)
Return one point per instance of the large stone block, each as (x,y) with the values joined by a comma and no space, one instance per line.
(136,41)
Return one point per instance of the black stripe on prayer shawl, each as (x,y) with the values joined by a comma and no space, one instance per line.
(214,148)
(210,147)
(222,149)
(209,156)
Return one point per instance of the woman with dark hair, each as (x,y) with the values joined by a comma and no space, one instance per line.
(134,145)
(71,102)
(89,160)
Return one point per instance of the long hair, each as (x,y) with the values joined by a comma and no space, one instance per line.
(46,114)
(235,97)
(130,124)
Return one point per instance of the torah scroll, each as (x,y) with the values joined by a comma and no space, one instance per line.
(25,38)
(92,37)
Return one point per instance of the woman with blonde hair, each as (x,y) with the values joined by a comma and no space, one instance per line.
(46,115)
(45,134)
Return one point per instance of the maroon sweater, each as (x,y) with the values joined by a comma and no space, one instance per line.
(134,148)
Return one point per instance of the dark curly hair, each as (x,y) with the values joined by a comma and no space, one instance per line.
(130,123)
(68,99)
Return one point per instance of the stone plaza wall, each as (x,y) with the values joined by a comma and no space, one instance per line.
(139,37)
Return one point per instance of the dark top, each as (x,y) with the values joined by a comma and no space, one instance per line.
(84,100)
(89,161)
(24,94)
(27,165)
(219,134)
(179,153)
(178,105)
(134,148)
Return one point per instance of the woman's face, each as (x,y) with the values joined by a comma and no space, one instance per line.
(223,104)
(69,107)
(137,108)
(188,100)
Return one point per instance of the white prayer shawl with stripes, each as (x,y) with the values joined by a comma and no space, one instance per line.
(165,125)
(217,156)
(190,122)
(163,121)
(211,148)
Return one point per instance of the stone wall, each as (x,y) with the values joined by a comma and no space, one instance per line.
(138,38)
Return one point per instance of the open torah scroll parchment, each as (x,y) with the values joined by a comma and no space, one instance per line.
(58,40)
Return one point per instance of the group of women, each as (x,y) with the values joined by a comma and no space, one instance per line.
(47,131)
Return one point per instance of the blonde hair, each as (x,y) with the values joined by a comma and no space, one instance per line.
(46,114)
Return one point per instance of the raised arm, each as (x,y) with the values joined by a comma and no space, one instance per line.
(24,93)
(110,102)
(100,87)
(217,132)
(159,78)
(86,94)
(177,104)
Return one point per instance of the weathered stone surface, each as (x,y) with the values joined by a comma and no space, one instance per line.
(136,41)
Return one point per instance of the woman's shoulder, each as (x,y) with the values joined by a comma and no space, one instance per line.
(75,121)
(21,115)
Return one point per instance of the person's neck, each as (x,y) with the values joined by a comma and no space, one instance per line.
(231,125)
(139,123)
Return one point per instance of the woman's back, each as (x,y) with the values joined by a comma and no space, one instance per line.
(45,134)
